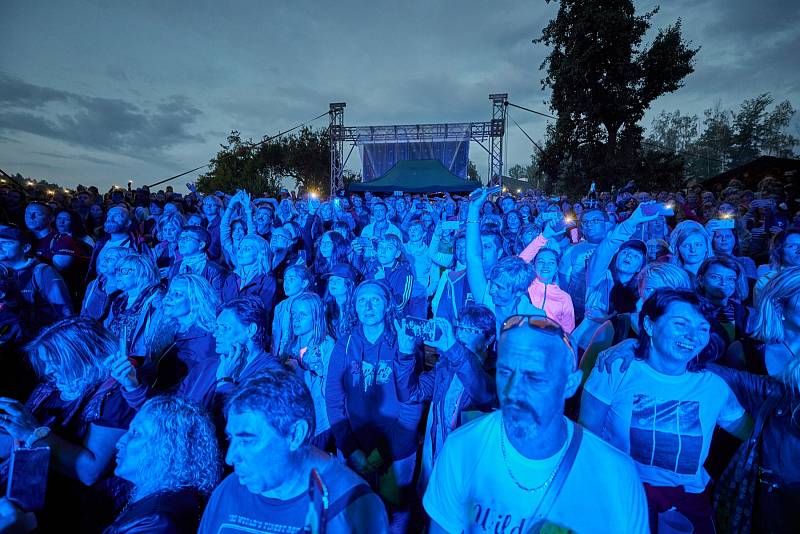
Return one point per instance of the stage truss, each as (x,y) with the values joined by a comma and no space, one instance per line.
(480,132)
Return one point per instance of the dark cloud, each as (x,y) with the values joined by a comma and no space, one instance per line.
(75,157)
(95,122)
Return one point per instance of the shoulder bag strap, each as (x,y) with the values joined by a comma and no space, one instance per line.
(551,493)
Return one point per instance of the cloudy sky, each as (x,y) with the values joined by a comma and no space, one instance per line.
(99,92)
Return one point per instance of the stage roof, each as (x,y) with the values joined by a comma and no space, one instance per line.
(417,176)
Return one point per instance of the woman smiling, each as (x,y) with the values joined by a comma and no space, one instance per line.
(663,411)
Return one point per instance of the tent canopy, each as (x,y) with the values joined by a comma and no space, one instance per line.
(417,176)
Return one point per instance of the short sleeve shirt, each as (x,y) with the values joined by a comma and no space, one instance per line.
(471,489)
(664,422)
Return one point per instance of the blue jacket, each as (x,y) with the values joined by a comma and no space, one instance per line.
(480,391)
(364,408)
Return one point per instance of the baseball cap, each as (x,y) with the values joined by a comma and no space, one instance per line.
(635,244)
(342,270)
(15,233)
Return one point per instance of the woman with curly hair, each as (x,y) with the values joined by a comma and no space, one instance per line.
(173,437)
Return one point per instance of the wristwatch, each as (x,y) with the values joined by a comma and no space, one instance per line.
(38,434)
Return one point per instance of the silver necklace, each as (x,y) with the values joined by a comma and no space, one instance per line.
(541,486)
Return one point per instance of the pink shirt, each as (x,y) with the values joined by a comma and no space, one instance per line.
(556,303)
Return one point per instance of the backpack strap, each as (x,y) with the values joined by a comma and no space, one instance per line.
(338,506)
(554,489)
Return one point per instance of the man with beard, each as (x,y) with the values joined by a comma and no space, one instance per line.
(117,234)
(527,465)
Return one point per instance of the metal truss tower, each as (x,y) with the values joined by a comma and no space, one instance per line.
(496,133)
(493,130)
(336,134)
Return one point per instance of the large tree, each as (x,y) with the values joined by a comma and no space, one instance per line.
(260,167)
(602,80)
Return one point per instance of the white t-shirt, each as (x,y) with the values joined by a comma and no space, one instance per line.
(664,422)
(471,490)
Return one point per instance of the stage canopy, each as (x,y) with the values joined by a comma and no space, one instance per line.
(417,176)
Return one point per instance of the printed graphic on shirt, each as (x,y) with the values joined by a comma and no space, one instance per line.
(241,523)
(371,374)
(666,434)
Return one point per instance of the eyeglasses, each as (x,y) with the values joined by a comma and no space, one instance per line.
(541,324)
(467,328)
(187,237)
(124,270)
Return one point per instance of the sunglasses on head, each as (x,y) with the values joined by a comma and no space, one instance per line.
(540,324)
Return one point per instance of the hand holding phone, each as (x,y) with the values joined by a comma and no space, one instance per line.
(421,329)
(489,192)
(720,224)
(27,478)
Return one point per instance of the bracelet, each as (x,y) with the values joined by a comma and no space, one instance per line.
(473,222)
(226,379)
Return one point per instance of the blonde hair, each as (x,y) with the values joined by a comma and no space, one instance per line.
(681,233)
(184,451)
(779,293)
(320,331)
(264,256)
(74,348)
(203,300)
(669,274)
(144,269)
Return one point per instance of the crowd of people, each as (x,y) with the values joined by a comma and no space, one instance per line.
(495,362)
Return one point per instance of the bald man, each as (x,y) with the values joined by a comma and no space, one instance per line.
(500,473)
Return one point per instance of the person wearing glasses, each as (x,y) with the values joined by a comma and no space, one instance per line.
(461,381)
(193,247)
(135,311)
(721,280)
(526,466)
(663,409)
(572,266)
